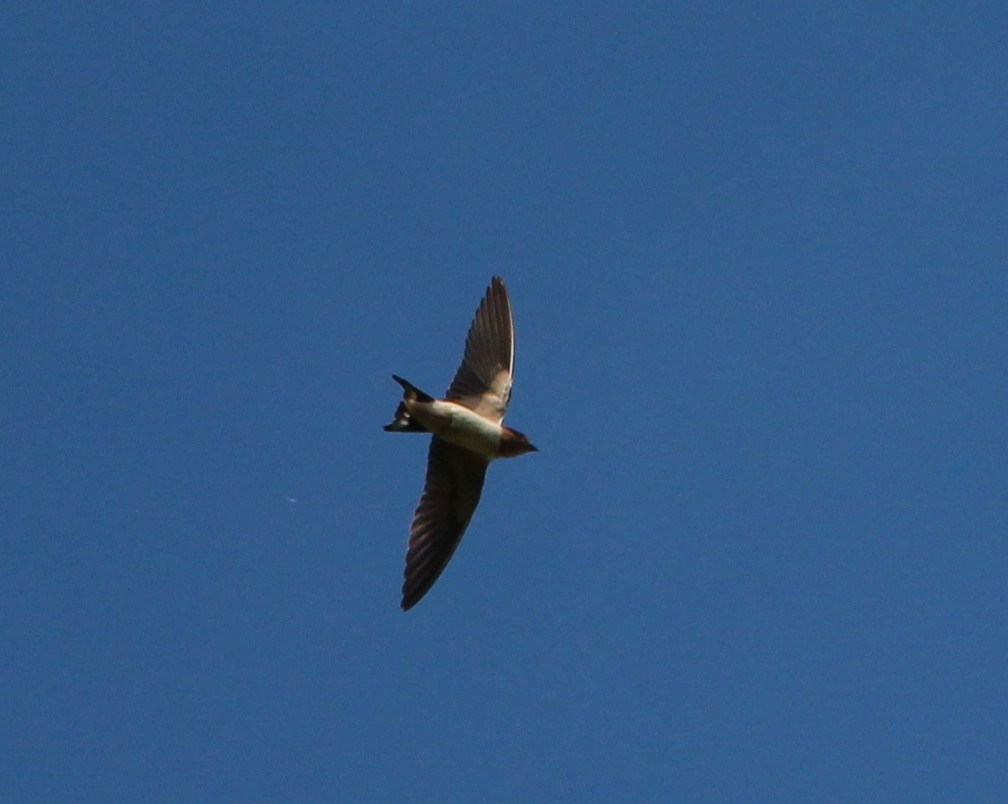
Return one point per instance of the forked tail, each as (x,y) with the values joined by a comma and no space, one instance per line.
(403,422)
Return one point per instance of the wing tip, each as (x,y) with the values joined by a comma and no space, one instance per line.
(412,596)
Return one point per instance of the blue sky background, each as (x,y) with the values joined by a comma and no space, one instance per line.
(757,256)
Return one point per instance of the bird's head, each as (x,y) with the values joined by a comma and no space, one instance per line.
(513,443)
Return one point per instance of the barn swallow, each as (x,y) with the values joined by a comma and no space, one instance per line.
(467,433)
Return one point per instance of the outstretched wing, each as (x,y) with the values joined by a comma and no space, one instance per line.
(451,493)
(483,381)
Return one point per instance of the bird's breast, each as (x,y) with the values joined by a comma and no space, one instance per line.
(459,425)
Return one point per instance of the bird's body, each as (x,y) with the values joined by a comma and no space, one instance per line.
(467,434)
(458,425)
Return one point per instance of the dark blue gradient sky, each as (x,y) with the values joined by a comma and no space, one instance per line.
(757,256)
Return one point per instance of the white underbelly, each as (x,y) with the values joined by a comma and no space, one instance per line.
(461,426)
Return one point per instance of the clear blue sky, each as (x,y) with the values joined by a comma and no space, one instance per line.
(757,257)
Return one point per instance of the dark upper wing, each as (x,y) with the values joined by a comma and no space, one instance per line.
(483,381)
(451,493)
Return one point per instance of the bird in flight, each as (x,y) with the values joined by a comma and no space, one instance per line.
(467,433)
